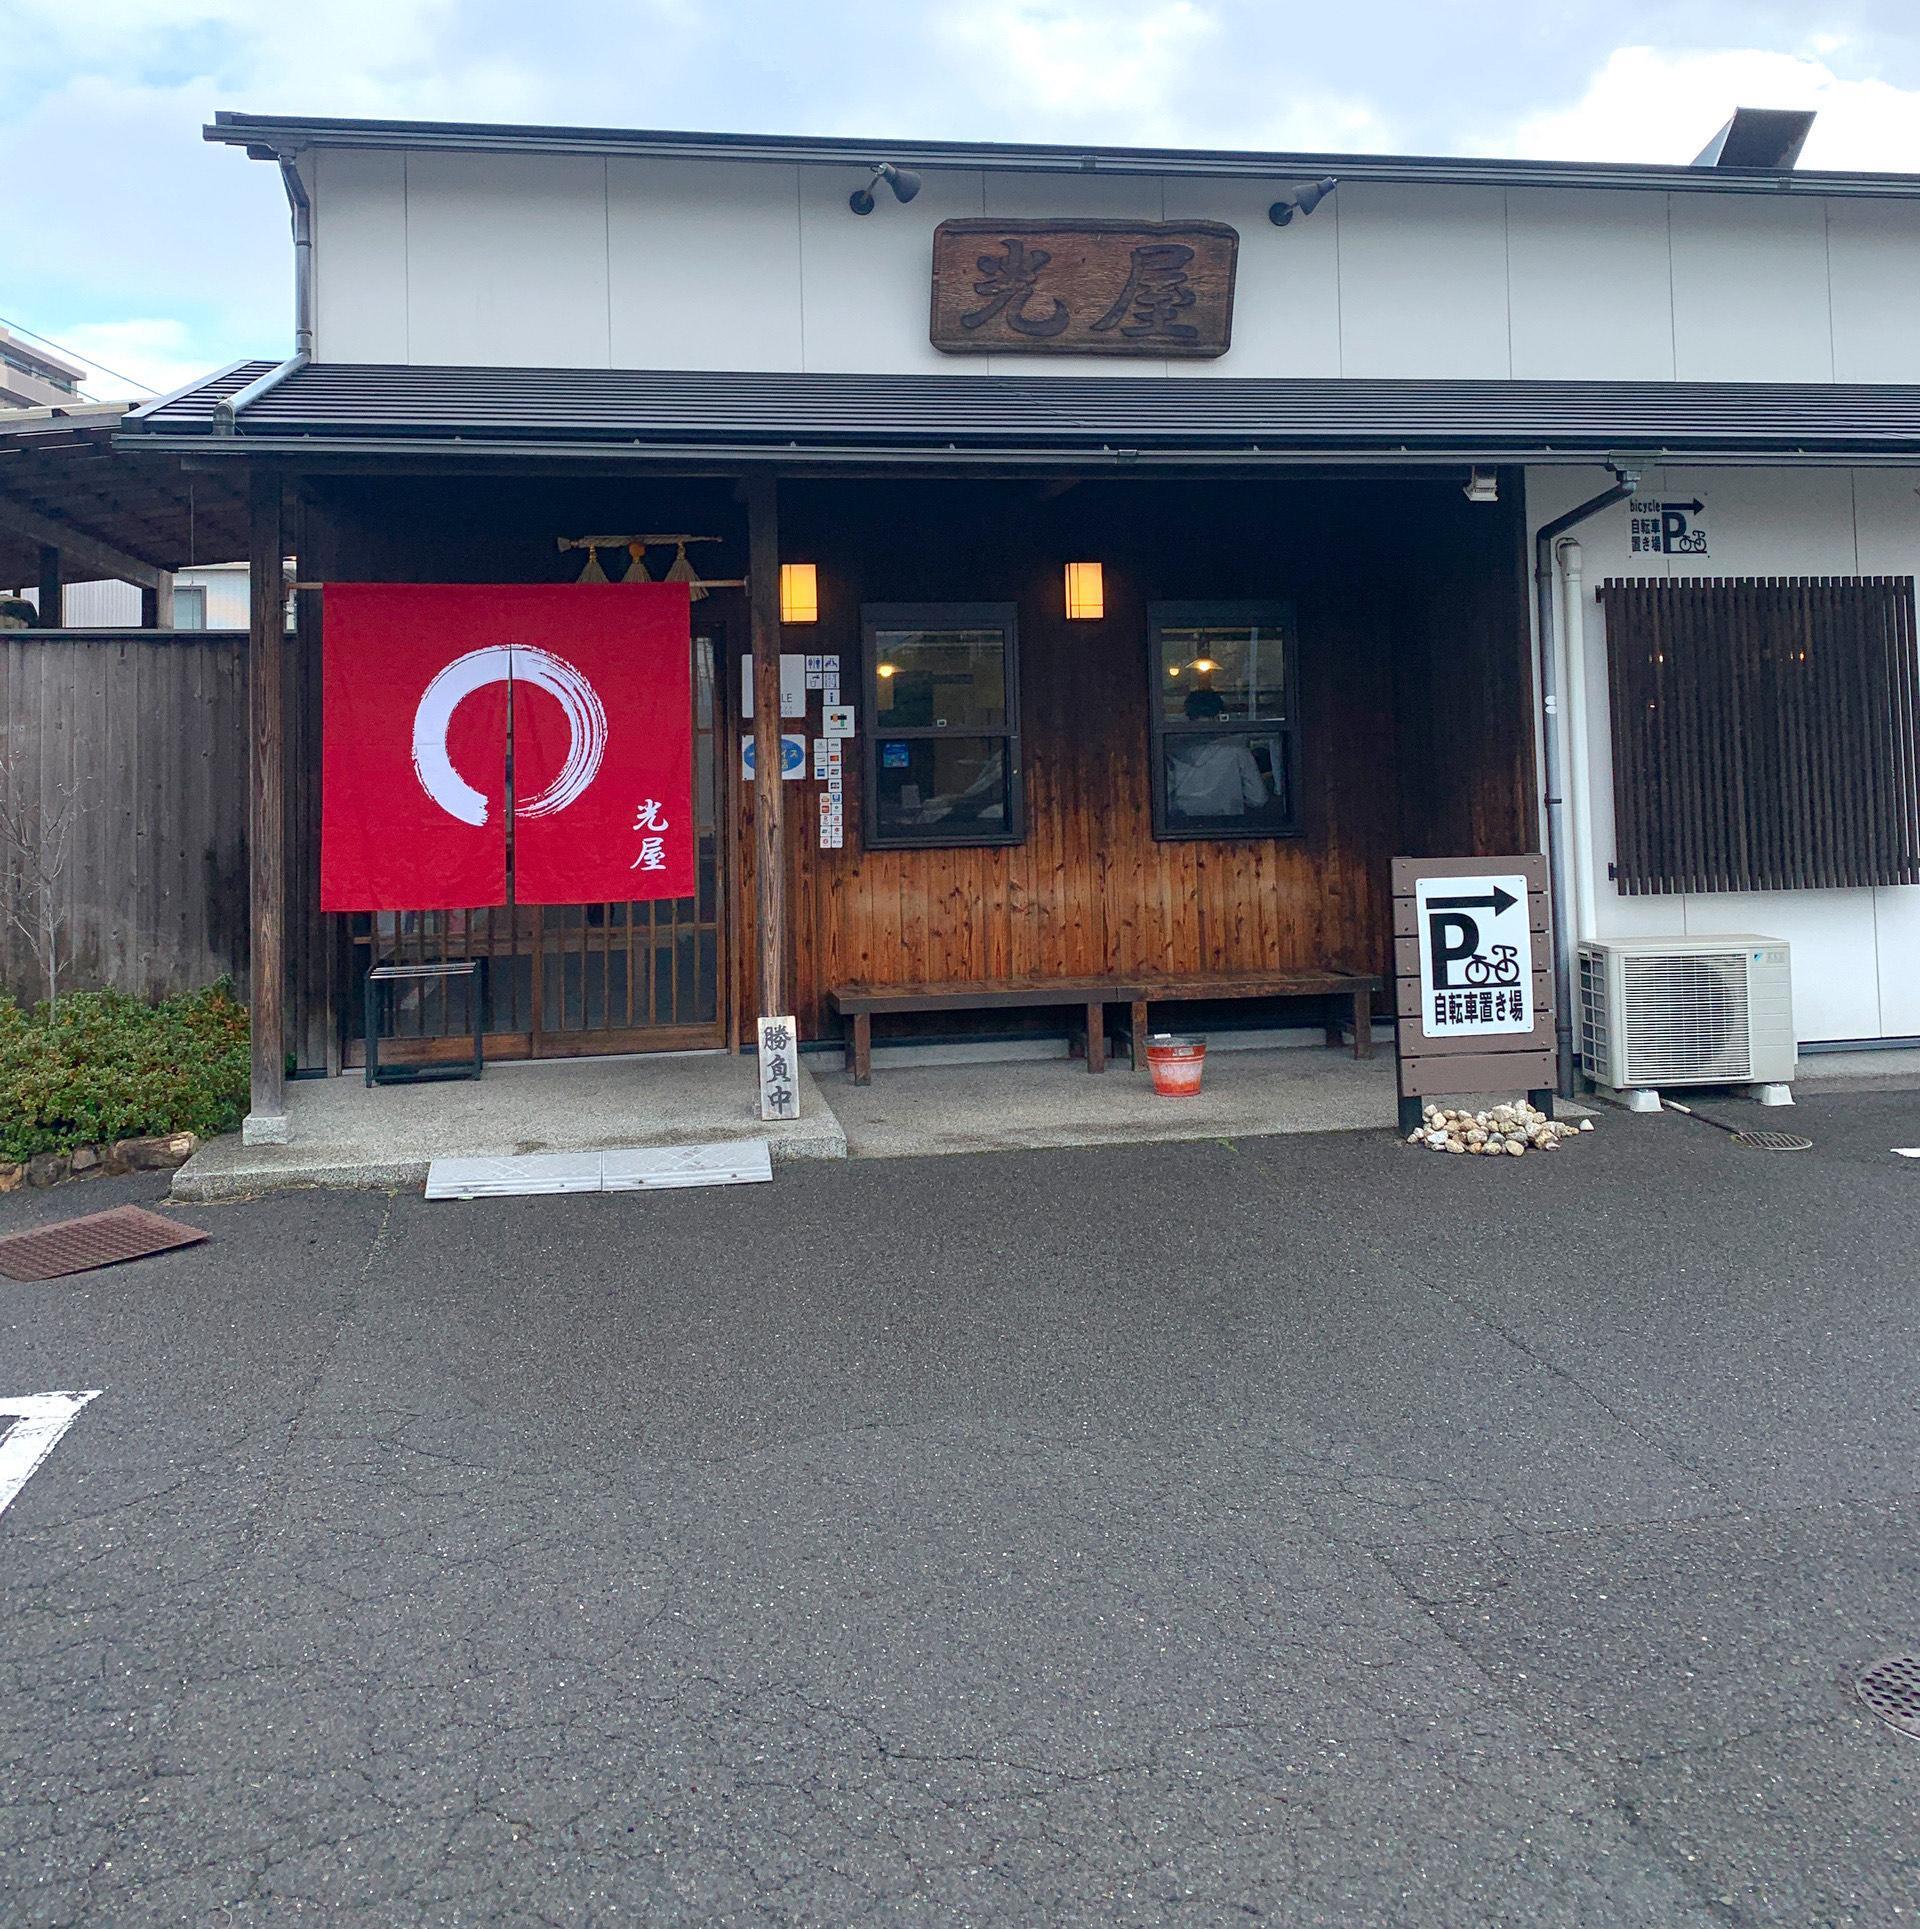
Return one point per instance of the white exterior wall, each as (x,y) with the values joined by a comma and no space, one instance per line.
(642,262)
(1856,954)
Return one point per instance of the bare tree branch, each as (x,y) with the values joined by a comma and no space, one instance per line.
(34,846)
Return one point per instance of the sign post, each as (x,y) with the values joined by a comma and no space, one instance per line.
(1473,973)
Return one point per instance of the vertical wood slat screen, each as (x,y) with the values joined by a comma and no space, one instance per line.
(1764,732)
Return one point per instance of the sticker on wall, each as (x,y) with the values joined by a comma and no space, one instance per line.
(793,685)
(837,719)
(793,756)
(1659,528)
(893,756)
(819,758)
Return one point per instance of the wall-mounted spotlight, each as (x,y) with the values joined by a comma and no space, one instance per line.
(1302,203)
(1481,485)
(903,181)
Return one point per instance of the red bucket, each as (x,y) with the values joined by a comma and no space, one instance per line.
(1176,1064)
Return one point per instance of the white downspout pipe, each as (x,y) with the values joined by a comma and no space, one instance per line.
(1573,627)
(1553,743)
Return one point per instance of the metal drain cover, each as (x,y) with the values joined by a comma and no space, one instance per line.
(99,1239)
(1773,1141)
(1891,1690)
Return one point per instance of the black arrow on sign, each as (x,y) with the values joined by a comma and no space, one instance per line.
(1500,900)
(1692,508)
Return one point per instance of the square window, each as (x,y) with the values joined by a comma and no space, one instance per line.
(1225,720)
(942,741)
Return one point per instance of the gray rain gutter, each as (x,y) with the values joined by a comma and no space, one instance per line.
(302,209)
(227,410)
(1626,481)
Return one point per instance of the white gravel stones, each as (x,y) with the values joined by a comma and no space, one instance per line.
(1515,1130)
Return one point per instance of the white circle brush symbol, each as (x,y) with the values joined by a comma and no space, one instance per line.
(499,663)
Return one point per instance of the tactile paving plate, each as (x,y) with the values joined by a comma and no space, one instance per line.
(98,1239)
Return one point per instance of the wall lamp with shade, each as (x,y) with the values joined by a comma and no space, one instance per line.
(1304,202)
(799,593)
(1086,593)
(902,180)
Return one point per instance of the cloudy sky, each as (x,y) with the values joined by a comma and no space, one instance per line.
(123,236)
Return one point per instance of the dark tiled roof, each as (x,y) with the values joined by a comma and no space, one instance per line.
(1209,417)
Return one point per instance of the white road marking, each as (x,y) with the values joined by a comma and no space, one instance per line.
(38,1420)
(1906,1151)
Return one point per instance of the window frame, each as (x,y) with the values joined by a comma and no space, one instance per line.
(1004,617)
(1265,612)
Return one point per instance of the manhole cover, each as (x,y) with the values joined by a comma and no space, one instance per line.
(99,1239)
(1891,1690)
(1773,1141)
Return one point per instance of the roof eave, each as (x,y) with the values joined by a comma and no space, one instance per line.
(268,135)
(927,454)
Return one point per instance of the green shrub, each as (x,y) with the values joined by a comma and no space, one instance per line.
(103,1066)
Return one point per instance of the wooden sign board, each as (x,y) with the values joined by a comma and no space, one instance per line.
(1473,978)
(1152,288)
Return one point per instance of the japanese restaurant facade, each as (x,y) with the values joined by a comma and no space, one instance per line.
(1165,522)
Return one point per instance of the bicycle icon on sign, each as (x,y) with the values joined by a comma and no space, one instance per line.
(1503,968)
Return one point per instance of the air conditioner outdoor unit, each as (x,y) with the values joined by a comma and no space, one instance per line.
(1687,1011)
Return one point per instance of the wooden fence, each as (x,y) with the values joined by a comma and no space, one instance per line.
(146,731)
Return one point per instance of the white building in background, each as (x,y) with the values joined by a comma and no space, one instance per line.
(34,377)
(211,596)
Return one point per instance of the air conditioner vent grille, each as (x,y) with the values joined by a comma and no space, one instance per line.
(1596,1038)
(1686,1018)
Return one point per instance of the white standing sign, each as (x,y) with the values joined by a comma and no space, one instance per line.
(1476,955)
(779,1069)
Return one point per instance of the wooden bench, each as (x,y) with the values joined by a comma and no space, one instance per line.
(857,1004)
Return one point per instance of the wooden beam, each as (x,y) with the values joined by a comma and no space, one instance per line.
(769,840)
(50,581)
(80,548)
(266,1121)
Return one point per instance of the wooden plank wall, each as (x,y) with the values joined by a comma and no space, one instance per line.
(1414,674)
(1415,694)
(150,732)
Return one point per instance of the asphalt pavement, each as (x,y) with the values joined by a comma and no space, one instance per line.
(1300,1530)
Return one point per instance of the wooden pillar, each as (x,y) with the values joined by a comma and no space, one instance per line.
(769,788)
(266,1121)
(50,577)
(156,603)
